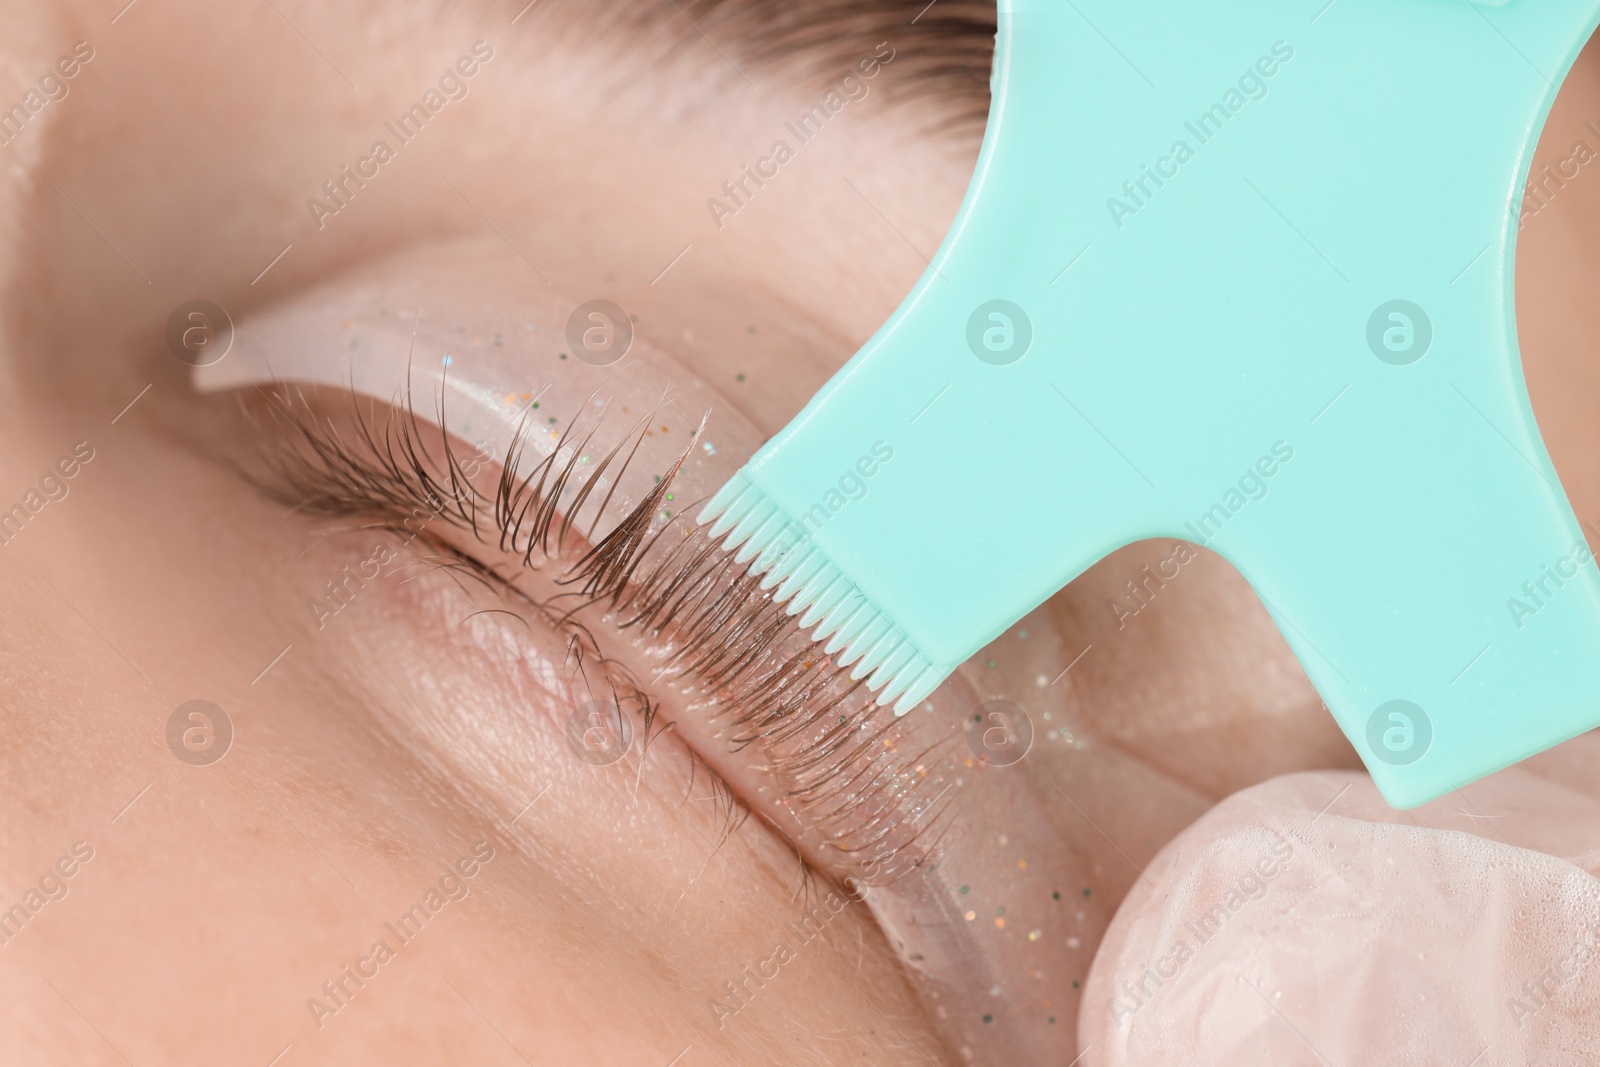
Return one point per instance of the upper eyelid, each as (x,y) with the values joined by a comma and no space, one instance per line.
(392,470)
(397,481)
(454,325)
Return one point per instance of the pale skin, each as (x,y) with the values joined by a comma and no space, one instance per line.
(383,747)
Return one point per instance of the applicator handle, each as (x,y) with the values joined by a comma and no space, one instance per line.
(1239,274)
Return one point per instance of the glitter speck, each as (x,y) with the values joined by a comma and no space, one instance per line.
(709,447)
(1086,891)
(1056,895)
(552,420)
(738,377)
(994,991)
(447,360)
(1073,942)
(964,890)
(988,1018)
(971,915)
(1041,681)
(1001,923)
(1022,865)
(999,911)
(993,664)
(1033,935)
(669,496)
(1074,983)
(1053,1018)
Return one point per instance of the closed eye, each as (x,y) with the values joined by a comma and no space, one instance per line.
(706,631)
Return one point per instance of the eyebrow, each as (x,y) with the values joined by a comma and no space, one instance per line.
(943,49)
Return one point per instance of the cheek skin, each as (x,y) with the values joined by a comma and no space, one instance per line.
(364,764)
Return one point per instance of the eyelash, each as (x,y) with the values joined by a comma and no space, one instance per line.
(764,683)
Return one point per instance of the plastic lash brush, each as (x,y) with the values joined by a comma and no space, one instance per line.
(1239,273)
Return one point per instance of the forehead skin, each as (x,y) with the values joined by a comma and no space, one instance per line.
(199,137)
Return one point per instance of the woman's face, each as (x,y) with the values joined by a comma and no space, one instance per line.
(415,817)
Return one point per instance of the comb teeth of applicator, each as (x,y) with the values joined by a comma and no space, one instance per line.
(810,585)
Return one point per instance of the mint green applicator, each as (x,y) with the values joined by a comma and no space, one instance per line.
(1238,272)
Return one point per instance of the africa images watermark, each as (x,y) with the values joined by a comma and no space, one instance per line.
(1251,886)
(737,191)
(1537,592)
(1142,593)
(1252,486)
(52,88)
(851,485)
(737,993)
(54,485)
(1542,988)
(339,592)
(452,85)
(1541,189)
(1252,85)
(51,886)
(453,885)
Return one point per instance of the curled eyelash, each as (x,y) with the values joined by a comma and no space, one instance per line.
(840,760)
